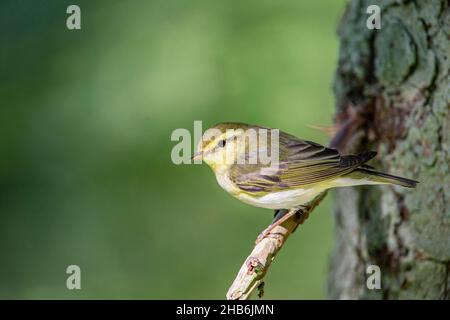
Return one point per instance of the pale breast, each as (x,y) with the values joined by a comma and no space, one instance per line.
(288,199)
(226,183)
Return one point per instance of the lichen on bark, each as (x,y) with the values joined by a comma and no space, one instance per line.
(393,85)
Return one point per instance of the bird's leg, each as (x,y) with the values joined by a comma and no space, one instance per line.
(298,218)
(279,214)
(280,217)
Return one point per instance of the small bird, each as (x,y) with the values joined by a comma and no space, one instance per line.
(303,171)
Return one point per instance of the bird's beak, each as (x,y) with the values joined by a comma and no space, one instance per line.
(197,156)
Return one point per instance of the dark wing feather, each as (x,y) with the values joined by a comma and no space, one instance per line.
(301,163)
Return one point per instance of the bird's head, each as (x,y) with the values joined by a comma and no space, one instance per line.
(224,144)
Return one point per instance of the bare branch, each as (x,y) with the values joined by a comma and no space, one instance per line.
(252,273)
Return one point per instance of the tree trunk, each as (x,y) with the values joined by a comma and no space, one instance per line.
(392,96)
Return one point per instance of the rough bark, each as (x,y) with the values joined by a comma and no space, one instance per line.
(392,96)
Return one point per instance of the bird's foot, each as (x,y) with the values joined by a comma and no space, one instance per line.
(263,234)
(277,221)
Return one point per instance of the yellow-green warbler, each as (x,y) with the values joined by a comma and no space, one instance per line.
(302,170)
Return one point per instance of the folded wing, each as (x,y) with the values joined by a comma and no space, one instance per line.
(302,163)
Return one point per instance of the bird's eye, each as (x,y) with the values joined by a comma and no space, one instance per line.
(222,143)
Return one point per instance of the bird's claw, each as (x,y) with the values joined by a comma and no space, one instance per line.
(263,234)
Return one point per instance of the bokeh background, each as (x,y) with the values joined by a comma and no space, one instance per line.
(86,117)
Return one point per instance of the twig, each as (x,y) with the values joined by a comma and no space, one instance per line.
(254,269)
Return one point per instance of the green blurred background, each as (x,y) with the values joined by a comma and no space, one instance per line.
(86,117)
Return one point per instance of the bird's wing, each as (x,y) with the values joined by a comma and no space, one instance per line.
(301,163)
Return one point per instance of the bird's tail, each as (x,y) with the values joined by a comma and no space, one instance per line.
(382,178)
